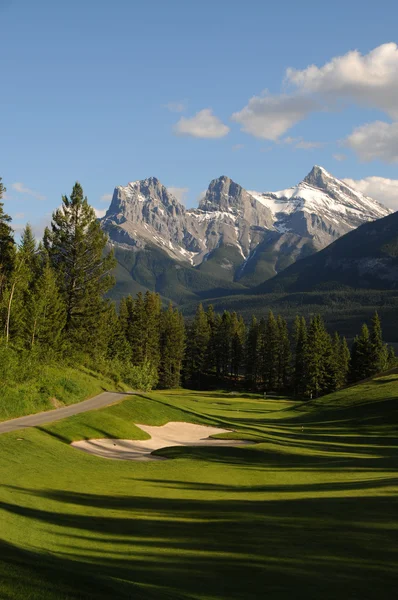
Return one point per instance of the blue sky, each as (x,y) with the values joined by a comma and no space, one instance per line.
(110,92)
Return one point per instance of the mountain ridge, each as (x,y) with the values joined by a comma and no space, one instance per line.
(234,236)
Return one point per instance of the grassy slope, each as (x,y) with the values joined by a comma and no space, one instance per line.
(309,512)
(55,386)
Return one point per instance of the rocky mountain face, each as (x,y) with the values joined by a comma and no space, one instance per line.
(235,236)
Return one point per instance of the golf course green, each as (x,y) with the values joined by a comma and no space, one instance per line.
(309,510)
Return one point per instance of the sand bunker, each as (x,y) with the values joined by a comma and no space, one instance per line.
(171,434)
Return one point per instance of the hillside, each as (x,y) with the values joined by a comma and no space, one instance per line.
(365,258)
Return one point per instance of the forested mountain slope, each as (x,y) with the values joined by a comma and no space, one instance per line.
(365,258)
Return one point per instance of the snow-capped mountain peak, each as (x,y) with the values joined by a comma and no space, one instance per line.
(321,206)
(236,233)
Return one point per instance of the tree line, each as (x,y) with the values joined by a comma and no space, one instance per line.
(265,356)
(53,305)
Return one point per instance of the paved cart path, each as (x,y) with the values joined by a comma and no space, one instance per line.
(100,401)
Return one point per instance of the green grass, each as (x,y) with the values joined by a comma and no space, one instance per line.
(53,387)
(310,511)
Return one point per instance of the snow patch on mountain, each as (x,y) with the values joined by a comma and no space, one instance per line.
(286,224)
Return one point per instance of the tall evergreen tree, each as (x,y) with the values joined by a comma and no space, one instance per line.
(197,347)
(14,296)
(28,244)
(318,358)
(225,334)
(300,355)
(252,354)
(211,366)
(391,358)
(151,349)
(379,352)
(76,246)
(342,359)
(284,355)
(271,349)
(7,247)
(172,346)
(136,328)
(237,344)
(361,366)
(117,347)
(216,344)
(44,311)
(261,358)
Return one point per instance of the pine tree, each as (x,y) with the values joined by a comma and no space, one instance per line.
(238,331)
(300,355)
(153,305)
(379,352)
(28,244)
(117,347)
(197,347)
(252,354)
(225,334)
(45,312)
(136,328)
(391,358)
(14,297)
(211,366)
(262,343)
(271,351)
(76,246)
(7,246)
(343,362)
(216,344)
(123,316)
(318,358)
(172,346)
(284,355)
(361,365)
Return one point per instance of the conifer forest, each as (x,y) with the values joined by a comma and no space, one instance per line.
(54,308)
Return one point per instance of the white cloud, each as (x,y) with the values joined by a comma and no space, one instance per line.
(176,107)
(100,212)
(19,216)
(380,188)
(179,192)
(22,189)
(106,197)
(237,147)
(340,157)
(203,125)
(376,140)
(370,79)
(269,117)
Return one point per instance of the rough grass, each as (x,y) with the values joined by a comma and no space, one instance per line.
(54,386)
(310,511)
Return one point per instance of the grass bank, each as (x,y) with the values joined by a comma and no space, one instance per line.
(52,387)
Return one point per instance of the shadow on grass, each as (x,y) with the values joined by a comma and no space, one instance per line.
(184,548)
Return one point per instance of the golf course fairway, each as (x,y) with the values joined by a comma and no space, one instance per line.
(309,511)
